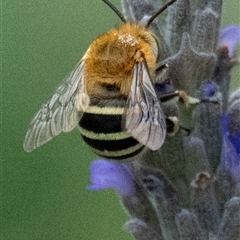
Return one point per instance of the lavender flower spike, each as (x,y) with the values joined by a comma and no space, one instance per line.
(190,187)
(106,174)
(230,36)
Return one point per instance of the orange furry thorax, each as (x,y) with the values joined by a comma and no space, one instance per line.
(111,57)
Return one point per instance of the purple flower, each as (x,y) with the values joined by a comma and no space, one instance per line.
(107,174)
(230,156)
(229,36)
(208,89)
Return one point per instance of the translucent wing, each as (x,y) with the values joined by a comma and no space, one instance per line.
(60,113)
(144,117)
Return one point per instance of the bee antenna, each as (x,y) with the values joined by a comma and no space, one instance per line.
(115,10)
(160,11)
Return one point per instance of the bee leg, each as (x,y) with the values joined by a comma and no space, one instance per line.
(172,110)
(162,67)
(162,73)
(187,100)
(173,125)
(182,96)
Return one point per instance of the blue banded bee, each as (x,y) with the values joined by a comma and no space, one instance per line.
(110,94)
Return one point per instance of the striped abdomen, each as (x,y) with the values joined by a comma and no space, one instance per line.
(101,129)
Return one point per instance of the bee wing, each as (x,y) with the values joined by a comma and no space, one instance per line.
(60,113)
(144,117)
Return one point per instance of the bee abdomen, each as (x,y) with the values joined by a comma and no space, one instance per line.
(101,129)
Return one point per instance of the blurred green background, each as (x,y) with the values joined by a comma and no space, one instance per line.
(43,192)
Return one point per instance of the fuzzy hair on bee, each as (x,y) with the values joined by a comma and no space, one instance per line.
(110,94)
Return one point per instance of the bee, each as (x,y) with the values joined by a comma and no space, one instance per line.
(110,94)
